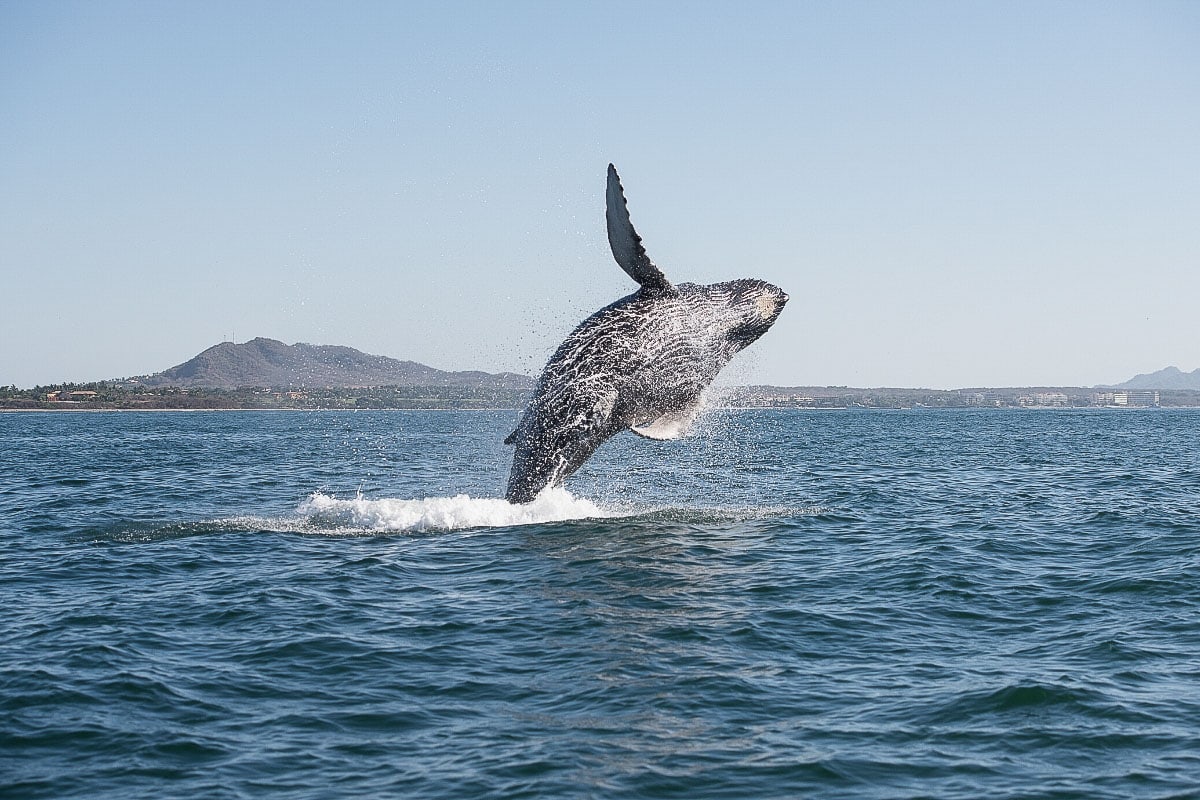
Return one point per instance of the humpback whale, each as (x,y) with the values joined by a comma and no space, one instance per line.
(640,363)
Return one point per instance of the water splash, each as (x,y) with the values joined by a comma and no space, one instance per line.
(444,513)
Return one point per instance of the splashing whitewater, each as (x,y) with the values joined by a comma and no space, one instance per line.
(444,513)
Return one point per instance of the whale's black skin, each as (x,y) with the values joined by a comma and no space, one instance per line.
(639,363)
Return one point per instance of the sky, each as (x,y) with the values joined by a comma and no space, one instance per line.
(954,194)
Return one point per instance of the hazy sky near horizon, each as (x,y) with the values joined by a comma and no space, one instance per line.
(953,193)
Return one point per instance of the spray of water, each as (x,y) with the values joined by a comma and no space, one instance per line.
(444,513)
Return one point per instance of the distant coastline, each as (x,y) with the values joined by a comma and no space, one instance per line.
(266,374)
(106,396)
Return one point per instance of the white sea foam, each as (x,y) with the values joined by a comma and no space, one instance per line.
(444,513)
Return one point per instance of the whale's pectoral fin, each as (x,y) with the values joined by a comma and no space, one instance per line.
(626,244)
(671,425)
(511,438)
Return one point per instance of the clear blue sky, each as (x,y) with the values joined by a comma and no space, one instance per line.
(954,194)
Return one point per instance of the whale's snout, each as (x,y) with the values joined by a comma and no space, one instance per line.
(756,305)
(767,306)
(770,302)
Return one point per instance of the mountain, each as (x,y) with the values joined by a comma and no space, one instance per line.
(269,363)
(1167,378)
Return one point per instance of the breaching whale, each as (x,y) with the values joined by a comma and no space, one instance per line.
(640,363)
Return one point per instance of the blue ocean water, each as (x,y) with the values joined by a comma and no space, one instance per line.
(845,604)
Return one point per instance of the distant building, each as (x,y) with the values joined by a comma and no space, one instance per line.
(63,394)
(1130,398)
(1043,399)
(987,398)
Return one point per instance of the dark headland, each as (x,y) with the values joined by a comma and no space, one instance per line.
(268,374)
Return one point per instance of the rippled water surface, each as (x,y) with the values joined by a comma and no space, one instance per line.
(787,604)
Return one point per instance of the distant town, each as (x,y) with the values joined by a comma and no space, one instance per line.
(1019,397)
(111,396)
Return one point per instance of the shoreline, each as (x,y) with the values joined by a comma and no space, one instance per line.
(82,410)
(221,410)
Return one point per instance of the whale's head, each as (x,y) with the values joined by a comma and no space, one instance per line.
(744,309)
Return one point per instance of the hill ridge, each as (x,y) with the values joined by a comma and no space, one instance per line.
(1166,378)
(264,362)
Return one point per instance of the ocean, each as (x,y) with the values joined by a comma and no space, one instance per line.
(840,604)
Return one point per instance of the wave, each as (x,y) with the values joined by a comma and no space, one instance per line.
(444,513)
